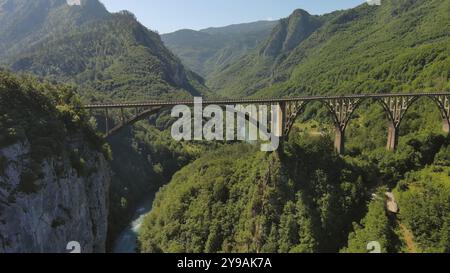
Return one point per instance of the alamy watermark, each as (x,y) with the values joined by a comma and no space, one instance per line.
(74,2)
(374,2)
(73,247)
(242,123)
(374,247)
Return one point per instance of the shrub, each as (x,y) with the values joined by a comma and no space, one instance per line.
(27,183)
(443,157)
(78,163)
(3,164)
(57,223)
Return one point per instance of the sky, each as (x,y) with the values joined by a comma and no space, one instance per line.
(167,16)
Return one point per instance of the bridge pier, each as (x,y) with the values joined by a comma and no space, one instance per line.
(106,121)
(443,103)
(339,140)
(342,110)
(446,125)
(392,141)
(281,121)
(396,108)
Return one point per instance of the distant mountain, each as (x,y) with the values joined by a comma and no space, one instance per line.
(24,23)
(402,45)
(289,32)
(286,35)
(211,49)
(109,56)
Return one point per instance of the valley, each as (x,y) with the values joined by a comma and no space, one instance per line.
(141,190)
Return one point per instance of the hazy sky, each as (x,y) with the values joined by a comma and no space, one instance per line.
(169,15)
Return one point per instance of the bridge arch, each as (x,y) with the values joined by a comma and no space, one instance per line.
(124,120)
(397,108)
(292,112)
(443,103)
(340,109)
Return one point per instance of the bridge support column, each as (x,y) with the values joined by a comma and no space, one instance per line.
(281,121)
(342,110)
(443,103)
(396,108)
(106,121)
(339,140)
(446,126)
(392,137)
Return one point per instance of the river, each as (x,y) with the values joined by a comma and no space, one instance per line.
(127,241)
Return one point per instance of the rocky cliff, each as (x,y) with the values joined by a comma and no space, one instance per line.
(44,212)
(44,207)
(54,176)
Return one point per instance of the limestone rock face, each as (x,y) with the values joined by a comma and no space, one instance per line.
(391,204)
(45,206)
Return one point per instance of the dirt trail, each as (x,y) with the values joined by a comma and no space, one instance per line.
(408,236)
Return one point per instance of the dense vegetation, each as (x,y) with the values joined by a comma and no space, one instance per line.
(424,197)
(421,225)
(44,116)
(237,199)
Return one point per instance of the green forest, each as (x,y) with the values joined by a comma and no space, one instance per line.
(306,199)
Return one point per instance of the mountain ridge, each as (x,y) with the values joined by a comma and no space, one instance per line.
(366,35)
(112,56)
(28,22)
(210,49)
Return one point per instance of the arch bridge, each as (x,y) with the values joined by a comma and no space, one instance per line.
(341,108)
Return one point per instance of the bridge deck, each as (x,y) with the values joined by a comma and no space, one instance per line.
(254,101)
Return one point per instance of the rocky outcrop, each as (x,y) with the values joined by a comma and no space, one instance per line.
(391,203)
(289,33)
(46,205)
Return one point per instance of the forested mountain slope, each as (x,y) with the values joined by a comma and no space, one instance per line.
(106,57)
(54,170)
(113,55)
(398,46)
(208,50)
(24,23)
(238,199)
